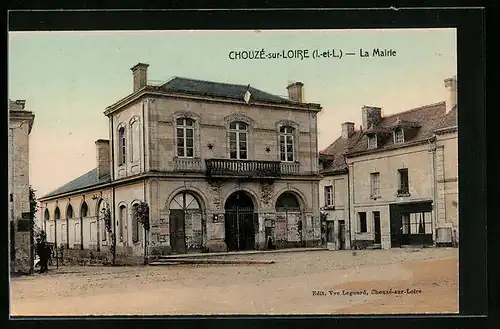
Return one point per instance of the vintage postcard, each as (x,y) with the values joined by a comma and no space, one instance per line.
(224,172)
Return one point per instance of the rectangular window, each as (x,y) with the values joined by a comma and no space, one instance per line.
(399,136)
(328,195)
(420,223)
(374,184)
(185,140)
(403,185)
(286,145)
(362,222)
(372,142)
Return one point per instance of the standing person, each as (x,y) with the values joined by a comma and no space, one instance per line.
(42,251)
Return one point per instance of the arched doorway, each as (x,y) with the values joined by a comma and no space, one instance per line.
(186,229)
(288,220)
(240,222)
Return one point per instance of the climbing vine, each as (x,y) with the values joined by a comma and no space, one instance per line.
(106,217)
(140,213)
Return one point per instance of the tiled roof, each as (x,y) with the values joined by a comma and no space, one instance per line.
(428,117)
(450,120)
(86,180)
(222,90)
(337,150)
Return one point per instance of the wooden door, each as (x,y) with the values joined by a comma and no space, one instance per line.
(177,231)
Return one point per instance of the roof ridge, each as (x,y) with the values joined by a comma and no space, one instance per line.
(414,109)
(208,81)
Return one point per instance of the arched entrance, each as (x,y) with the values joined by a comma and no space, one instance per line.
(240,222)
(186,229)
(288,220)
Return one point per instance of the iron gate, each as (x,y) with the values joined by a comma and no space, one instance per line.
(240,228)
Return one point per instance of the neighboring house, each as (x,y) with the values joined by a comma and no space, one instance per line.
(20,124)
(334,192)
(403,174)
(222,167)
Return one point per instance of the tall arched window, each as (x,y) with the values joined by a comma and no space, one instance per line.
(46,218)
(69,212)
(84,210)
(238,142)
(135,140)
(122,222)
(57,216)
(185,137)
(287,147)
(122,146)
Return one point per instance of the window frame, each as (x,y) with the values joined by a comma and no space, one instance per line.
(371,138)
(122,220)
(403,189)
(286,136)
(328,193)
(374,188)
(362,222)
(122,145)
(238,132)
(401,140)
(185,127)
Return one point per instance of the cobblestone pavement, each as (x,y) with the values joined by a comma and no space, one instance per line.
(314,282)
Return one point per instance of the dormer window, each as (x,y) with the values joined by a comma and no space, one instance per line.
(372,141)
(399,136)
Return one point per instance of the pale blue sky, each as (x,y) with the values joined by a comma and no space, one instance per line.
(68,78)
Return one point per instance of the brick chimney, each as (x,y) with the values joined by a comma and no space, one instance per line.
(370,115)
(347,129)
(451,92)
(140,73)
(103,158)
(296,92)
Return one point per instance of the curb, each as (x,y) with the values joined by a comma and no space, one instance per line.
(210,261)
(235,253)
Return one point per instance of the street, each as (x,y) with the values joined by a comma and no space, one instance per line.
(312,282)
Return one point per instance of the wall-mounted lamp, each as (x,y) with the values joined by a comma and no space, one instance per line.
(210,146)
(268,149)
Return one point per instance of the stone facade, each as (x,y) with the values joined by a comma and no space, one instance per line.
(20,124)
(404,189)
(192,209)
(334,203)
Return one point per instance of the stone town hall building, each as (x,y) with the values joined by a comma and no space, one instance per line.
(220,171)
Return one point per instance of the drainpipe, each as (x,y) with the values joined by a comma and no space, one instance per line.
(143,170)
(432,146)
(112,179)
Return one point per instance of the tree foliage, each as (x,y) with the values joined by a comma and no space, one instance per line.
(140,212)
(106,217)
